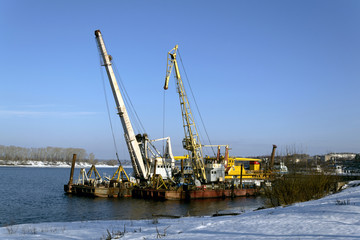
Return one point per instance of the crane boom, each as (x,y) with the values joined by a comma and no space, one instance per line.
(141,171)
(191,141)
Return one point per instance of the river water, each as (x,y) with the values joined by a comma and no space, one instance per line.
(33,195)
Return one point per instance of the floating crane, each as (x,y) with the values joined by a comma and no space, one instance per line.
(191,141)
(143,154)
(156,177)
(139,165)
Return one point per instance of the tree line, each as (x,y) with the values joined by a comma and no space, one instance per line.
(47,154)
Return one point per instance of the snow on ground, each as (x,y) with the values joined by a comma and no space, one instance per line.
(336,216)
(51,165)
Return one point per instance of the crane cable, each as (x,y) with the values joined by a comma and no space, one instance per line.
(130,107)
(193,96)
(132,111)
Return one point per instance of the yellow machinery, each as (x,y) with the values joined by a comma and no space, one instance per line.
(120,174)
(236,169)
(158,182)
(95,171)
(191,141)
(234,166)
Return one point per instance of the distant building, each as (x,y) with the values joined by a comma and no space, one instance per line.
(339,156)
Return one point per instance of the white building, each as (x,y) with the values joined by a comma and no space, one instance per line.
(335,156)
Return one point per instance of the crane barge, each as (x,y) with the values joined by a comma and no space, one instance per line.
(208,178)
(147,162)
(154,174)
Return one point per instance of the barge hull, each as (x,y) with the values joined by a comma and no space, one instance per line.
(193,194)
(94,191)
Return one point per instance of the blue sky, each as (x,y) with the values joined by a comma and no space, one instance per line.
(263,72)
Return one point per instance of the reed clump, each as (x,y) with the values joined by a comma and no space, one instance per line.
(297,187)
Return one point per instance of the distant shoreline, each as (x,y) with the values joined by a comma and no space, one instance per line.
(40,164)
(57,166)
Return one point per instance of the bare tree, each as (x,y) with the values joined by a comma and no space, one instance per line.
(48,154)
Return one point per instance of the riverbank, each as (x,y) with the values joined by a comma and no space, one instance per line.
(332,217)
(41,164)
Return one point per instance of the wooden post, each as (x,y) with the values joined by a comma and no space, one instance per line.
(241,171)
(71,173)
(182,168)
(272,157)
(218,155)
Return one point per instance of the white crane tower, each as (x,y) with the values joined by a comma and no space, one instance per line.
(138,145)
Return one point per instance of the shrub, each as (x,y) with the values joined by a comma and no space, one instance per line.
(293,188)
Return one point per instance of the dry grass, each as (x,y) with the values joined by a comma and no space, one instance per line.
(294,188)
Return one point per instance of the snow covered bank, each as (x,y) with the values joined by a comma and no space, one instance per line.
(52,164)
(333,217)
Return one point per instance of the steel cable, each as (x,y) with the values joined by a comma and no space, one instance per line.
(197,108)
